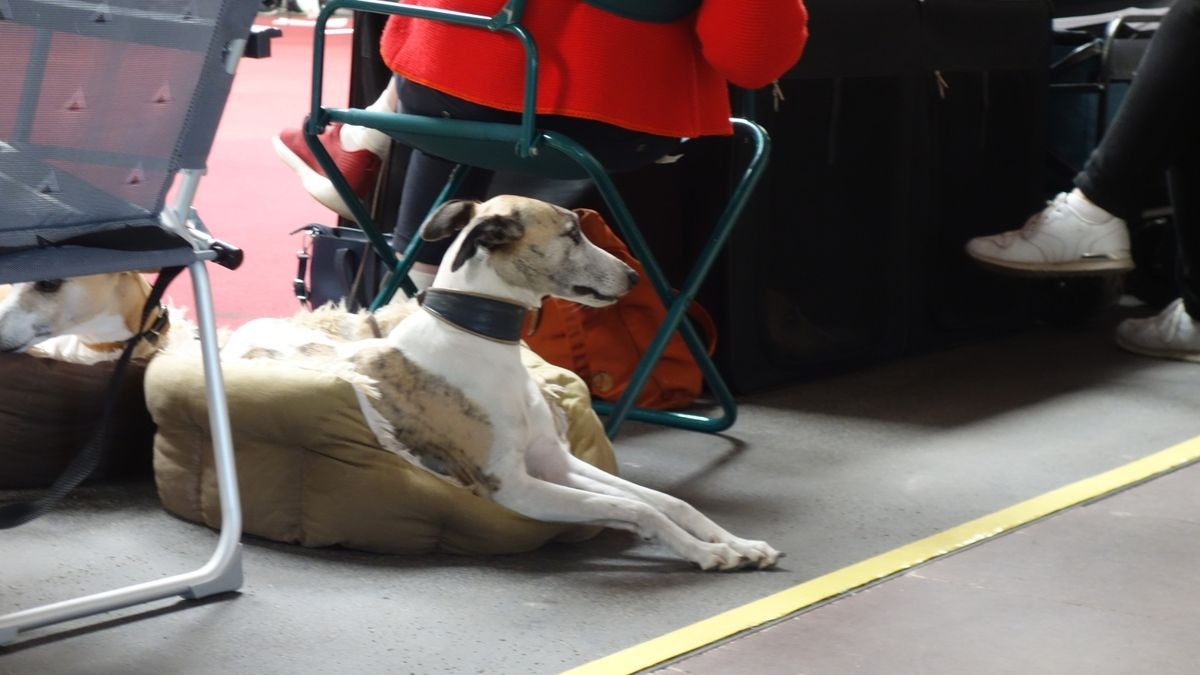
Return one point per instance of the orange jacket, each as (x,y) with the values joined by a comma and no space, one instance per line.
(663,78)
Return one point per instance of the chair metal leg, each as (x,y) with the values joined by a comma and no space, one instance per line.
(223,571)
(357,208)
(676,303)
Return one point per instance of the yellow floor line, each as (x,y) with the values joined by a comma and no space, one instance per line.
(783,603)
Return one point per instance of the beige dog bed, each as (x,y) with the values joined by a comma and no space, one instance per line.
(311,471)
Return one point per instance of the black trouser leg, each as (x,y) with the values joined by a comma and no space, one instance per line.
(1184,181)
(1161,109)
(423,182)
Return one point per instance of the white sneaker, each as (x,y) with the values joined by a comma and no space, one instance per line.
(1059,241)
(311,8)
(1171,334)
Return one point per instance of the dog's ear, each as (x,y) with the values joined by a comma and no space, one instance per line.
(489,233)
(448,219)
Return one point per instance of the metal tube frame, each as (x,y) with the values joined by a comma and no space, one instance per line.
(223,570)
(528,142)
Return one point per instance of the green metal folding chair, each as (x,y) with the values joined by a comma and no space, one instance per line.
(526,149)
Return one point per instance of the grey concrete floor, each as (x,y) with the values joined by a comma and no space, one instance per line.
(1106,588)
(831,471)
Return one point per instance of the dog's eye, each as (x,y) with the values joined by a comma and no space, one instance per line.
(575,235)
(48,285)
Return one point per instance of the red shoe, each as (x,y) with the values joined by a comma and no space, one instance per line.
(360,167)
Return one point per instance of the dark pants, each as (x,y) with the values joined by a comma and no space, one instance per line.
(617,150)
(1157,129)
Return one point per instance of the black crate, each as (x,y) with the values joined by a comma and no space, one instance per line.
(900,137)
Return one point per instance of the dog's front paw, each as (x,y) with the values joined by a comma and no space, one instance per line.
(720,558)
(760,554)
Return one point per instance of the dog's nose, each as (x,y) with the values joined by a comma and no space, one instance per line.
(633,277)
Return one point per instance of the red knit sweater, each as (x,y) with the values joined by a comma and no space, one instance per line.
(662,78)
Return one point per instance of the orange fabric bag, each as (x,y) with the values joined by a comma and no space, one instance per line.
(604,344)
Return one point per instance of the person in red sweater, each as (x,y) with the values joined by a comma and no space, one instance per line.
(628,90)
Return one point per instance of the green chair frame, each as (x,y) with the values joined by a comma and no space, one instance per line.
(523,148)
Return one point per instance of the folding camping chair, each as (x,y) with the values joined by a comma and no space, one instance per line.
(101,104)
(524,148)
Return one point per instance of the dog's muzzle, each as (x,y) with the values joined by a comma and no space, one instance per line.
(581,291)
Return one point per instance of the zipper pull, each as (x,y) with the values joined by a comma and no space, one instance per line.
(942,86)
(776,95)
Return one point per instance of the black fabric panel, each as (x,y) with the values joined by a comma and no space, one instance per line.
(853,38)
(851,252)
(369,76)
(985,34)
(866,38)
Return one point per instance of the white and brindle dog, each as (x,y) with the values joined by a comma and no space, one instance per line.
(448,384)
(80,319)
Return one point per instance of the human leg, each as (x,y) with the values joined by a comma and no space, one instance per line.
(1174,333)
(1184,181)
(1155,119)
(427,175)
(423,182)
(1085,232)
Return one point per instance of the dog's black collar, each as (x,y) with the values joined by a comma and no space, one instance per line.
(483,315)
(155,330)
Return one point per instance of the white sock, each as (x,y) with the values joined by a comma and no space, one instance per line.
(387,100)
(359,138)
(1086,209)
(311,8)
(422,280)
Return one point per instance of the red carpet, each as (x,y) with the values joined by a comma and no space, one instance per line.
(249,197)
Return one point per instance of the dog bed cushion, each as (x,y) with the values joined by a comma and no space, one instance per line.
(312,473)
(48,410)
